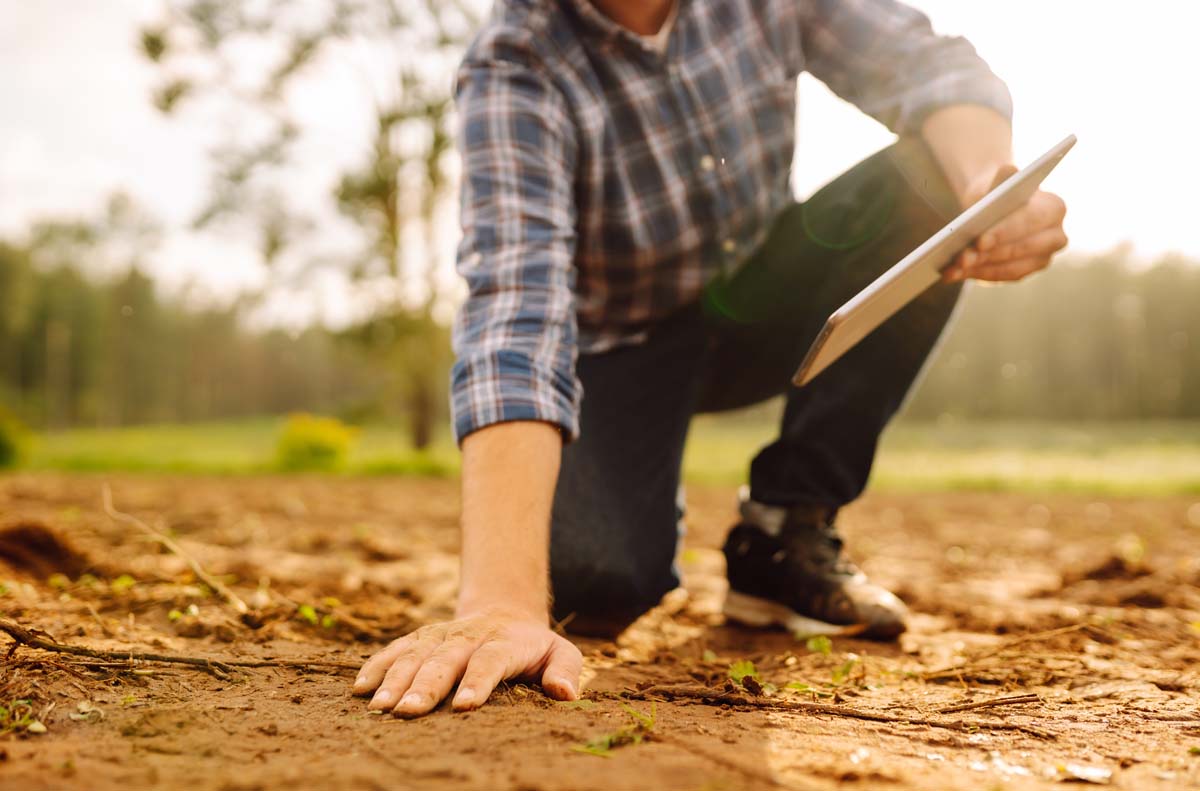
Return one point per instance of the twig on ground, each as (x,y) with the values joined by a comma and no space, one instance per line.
(712,697)
(219,587)
(221,668)
(1011,700)
(100,621)
(954,670)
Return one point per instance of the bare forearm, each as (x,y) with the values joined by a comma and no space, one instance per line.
(509,474)
(502,627)
(971,144)
(974,147)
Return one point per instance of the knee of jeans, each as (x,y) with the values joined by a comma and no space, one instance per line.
(625,589)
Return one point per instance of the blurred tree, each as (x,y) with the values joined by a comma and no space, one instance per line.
(254,58)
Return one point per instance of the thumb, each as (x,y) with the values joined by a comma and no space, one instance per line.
(560,680)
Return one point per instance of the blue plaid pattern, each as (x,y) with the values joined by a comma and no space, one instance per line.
(604,184)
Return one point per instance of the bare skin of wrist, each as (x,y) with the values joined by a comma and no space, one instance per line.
(501,629)
(974,147)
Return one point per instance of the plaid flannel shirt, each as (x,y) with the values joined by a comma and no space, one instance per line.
(605,183)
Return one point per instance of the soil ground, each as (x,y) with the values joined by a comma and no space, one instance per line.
(1091,607)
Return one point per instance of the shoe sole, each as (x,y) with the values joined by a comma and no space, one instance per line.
(761,613)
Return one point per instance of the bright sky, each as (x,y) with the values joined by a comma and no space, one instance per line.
(76,123)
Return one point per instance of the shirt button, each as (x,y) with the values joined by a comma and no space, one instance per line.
(729,245)
(708,164)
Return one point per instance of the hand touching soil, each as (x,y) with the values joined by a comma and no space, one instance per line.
(416,672)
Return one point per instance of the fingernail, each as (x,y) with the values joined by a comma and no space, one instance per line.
(382,698)
(411,699)
(465,695)
(360,682)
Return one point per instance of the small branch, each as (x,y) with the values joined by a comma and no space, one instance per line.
(954,670)
(221,668)
(171,544)
(711,697)
(1011,700)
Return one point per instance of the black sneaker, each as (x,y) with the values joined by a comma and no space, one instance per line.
(785,567)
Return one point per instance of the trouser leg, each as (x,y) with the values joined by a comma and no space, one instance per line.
(614,524)
(613,532)
(817,256)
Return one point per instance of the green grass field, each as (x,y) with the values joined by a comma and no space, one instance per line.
(1122,458)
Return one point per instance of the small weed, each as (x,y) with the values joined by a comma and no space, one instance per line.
(59,582)
(1194,751)
(16,716)
(841,674)
(308,614)
(741,669)
(308,442)
(122,584)
(634,733)
(819,644)
(800,686)
(709,655)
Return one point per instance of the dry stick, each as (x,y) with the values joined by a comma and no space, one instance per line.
(954,670)
(1011,700)
(710,697)
(217,667)
(170,543)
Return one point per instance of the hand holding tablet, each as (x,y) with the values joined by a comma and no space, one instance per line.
(924,266)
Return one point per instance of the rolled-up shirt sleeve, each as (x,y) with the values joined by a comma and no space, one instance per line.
(885,58)
(515,336)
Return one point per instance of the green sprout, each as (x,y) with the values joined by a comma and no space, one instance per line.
(819,644)
(841,673)
(634,733)
(800,686)
(308,613)
(741,669)
(17,716)
(122,584)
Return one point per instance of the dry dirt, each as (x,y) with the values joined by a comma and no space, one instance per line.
(1089,608)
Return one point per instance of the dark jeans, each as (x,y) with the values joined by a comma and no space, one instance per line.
(614,528)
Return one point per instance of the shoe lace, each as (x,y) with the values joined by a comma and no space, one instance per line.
(822,545)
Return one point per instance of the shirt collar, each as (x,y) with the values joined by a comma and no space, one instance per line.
(608,30)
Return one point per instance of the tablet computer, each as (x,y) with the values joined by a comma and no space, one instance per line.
(923,267)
